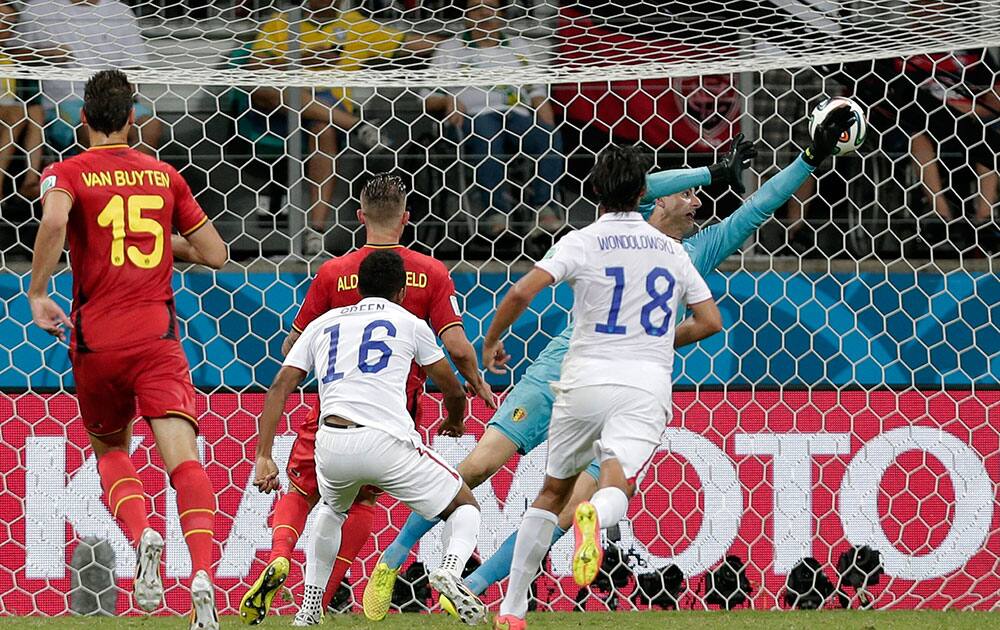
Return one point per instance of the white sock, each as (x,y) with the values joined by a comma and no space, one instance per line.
(533,539)
(611,505)
(461,535)
(324,543)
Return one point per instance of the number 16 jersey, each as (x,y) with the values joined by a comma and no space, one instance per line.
(361,355)
(126,205)
(628,281)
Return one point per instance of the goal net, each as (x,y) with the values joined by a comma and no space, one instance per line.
(847,414)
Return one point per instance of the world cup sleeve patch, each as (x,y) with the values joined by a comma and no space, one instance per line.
(47,184)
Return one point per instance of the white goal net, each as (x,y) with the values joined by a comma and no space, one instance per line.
(851,405)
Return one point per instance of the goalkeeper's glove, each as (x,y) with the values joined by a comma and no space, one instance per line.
(729,169)
(828,134)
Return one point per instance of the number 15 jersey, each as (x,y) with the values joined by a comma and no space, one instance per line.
(628,280)
(126,205)
(362,355)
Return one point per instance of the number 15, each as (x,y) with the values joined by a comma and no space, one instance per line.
(113,215)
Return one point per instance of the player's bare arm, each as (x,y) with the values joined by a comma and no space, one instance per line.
(454,397)
(514,303)
(464,356)
(704,322)
(290,340)
(204,246)
(46,314)
(287,380)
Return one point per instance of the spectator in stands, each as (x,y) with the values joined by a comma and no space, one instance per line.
(329,38)
(500,119)
(946,96)
(91,34)
(21,116)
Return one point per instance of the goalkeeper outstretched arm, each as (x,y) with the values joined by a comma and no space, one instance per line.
(710,246)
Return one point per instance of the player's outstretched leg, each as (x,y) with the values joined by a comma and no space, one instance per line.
(326,533)
(125,496)
(492,451)
(462,533)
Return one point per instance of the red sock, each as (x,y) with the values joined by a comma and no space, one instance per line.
(123,492)
(196,507)
(290,516)
(354,534)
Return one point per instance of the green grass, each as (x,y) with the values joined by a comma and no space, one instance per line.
(686,620)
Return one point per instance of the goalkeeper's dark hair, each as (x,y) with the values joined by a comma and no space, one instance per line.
(381,275)
(107,101)
(383,199)
(619,177)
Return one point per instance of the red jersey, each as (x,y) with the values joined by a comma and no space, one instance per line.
(430,293)
(126,205)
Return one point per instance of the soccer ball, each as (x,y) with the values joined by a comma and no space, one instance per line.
(851,139)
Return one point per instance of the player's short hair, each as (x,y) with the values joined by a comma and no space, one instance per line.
(619,177)
(383,199)
(381,274)
(107,101)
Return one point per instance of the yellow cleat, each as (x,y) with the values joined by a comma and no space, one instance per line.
(588,553)
(378,592)
(257,602)
(447,606)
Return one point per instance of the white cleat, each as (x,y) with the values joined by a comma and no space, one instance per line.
(307,617)
(203,613)
(147,588)
(467,605)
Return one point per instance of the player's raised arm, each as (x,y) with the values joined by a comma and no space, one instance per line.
(46,314)
(513,304)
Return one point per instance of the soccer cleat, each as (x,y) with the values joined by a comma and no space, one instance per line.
(467,605)
(378,592)
(447,606)
(307,617)
(203,613)
(588,553)
(147,588)
(257,601)
(509,622)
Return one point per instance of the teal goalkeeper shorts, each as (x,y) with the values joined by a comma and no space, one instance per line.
(524,417)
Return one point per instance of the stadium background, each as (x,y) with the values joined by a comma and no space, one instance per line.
(852,398)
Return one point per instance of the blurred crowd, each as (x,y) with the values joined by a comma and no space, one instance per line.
(934,121)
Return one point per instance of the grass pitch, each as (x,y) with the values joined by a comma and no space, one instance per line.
(685,620)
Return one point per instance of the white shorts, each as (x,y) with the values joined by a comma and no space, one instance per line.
(604,422)
(347,459)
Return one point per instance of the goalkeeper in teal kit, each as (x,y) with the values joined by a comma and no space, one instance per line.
(522,422)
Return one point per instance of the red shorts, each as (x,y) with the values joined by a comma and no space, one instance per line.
(110,384)
(301,467)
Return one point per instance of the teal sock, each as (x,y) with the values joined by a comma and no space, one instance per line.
(497,567)
(413,530)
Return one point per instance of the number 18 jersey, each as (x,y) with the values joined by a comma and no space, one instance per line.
(126,205)
(628,280)
(361,355)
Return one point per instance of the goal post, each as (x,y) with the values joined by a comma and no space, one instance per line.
(851,402)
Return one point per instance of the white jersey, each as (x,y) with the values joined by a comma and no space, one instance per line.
(362,355)
(628,282)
